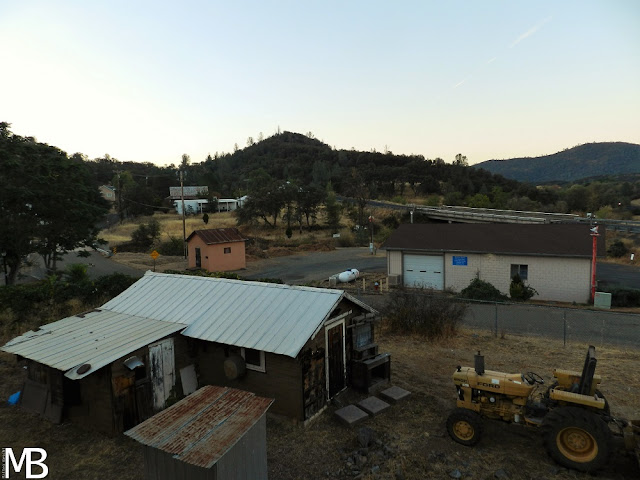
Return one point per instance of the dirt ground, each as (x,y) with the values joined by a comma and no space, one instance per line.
(410,438)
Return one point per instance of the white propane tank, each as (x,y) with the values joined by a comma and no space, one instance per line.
(348,275)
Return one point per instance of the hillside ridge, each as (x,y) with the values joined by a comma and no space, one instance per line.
(583,161)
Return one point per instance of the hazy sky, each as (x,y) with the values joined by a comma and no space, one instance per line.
(151,80)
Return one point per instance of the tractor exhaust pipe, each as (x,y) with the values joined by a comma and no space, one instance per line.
(479,363)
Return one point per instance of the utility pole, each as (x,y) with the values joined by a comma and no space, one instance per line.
(594,235)
(120,216)
(184,226)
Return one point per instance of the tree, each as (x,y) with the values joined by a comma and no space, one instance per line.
(49,204)
(461,160)
(334,209)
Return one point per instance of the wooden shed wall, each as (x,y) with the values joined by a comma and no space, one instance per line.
(282,380)
(96,402)
(110,399)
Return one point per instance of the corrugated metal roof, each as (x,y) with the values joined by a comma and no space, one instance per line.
(570,240)
(98,338)
(202,427)
(218,235)
(263,316)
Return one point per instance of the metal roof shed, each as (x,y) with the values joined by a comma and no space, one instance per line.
(216,433)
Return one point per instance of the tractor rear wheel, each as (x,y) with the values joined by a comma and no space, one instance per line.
(576,438)
(465,426)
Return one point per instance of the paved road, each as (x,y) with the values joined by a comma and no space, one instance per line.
(308,267)
(611,274)
(99,266)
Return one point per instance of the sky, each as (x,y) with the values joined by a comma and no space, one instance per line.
(147,81)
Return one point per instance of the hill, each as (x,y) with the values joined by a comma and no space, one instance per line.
(583,161)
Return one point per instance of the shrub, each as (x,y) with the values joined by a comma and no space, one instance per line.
(392,221)
(346,239)
(173,247)
(114,284)
(519,291)
(144,236)
(481,290)
(624,297)
(617,249)
(52,293)
(424,313)
(76,273)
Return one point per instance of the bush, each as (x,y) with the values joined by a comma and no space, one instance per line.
(481,290)
(346,239)
(174,247)
(31,299)
(144,236)
(624,297)
(519,291)
(617,249)
(423,313)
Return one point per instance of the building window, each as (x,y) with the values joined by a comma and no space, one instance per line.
(227,249)
(521,270)
(254,359)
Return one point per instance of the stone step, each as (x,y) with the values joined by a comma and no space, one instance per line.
(350,415)
(373,405)
(394,394)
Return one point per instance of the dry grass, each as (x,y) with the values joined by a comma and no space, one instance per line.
(413,430)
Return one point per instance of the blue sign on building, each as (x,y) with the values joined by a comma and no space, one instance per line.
(459,260)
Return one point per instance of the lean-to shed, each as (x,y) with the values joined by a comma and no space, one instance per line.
(102,369)
(216,433)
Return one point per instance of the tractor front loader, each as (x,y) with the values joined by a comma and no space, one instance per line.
(572,413)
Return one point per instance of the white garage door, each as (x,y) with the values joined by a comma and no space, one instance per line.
(425,271)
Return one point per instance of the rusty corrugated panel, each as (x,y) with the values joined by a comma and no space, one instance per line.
(219,235)
(202,427)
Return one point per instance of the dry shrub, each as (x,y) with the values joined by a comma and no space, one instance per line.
(423,312)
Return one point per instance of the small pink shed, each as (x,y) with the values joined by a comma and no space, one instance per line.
(217,249)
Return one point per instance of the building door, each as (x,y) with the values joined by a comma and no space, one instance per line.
(162,366)
(335,358)
(424,271)
(198,258)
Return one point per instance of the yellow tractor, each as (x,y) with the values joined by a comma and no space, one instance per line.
(572,413)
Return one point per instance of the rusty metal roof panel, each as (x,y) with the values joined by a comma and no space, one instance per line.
(96,338)
(202,427)
(218,235)
(263,316)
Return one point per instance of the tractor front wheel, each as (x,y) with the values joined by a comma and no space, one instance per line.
(465,426)
(577,438)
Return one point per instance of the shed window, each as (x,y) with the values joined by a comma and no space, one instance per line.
(363,335)
(522,270)
(254,359)
(227,249)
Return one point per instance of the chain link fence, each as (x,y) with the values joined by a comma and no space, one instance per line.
(571,325)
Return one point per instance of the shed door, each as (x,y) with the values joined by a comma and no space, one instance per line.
(198,258)
(163,374)
(424,271)
(335,358)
